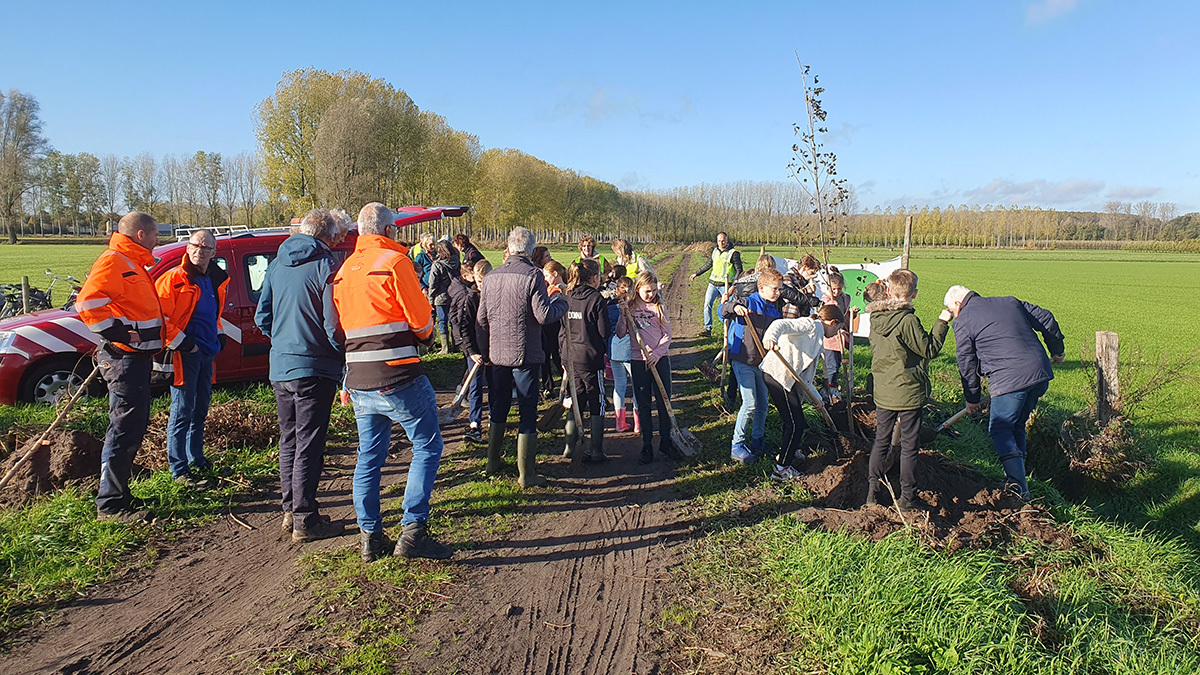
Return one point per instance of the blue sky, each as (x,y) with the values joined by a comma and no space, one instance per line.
(1056,103)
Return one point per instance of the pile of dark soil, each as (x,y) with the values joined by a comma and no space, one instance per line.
(962,509)
(65,458)
(229,425)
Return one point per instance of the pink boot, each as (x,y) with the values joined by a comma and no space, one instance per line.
(622,426)
(637,423)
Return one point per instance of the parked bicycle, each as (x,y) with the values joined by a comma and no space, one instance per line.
(13,304)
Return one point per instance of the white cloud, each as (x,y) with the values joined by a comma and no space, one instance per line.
(1048,10)
(1132,192)
(631,180)
(1034,193)
(599,103)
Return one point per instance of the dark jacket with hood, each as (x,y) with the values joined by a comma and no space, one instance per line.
(900,354)
(762,314)
(464,307)
(513,307)
(748,285)
(997,339)
(441,275)
(296,311)
(587,327)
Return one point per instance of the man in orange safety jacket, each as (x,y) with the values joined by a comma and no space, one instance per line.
(192,295)
(386,317)
(118,302)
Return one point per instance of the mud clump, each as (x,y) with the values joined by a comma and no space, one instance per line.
(229,425)
(65,458)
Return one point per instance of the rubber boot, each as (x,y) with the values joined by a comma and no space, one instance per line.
(445,337)
(527,462)
(622,425)
(597,453)
(495,463)
(572,436)
(637,423)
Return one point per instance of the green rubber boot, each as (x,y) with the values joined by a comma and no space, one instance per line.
(527,461)
(495,463)
(597,453)
(572,437)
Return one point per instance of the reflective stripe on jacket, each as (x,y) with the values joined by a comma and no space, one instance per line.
(383,313)
(119,297)
(177,294)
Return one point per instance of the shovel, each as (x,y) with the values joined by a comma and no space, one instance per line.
(451,412)
(926,436)
(554,414)
(681,438)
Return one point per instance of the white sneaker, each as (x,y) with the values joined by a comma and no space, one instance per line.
(785,473)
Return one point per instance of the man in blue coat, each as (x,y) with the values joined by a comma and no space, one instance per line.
(997,339)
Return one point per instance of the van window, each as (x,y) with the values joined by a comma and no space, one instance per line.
(256,272)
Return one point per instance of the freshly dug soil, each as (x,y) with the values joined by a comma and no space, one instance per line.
(65,458)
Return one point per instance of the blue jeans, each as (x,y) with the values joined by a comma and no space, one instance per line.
(621,377)
(442,312)
(710,296)
(754,404)
(500,390)
(414,407)
(1006,425)
(189,409)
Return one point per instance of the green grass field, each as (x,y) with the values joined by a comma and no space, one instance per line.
(32,260)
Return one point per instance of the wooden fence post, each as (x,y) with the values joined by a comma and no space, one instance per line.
(907,241)
(24,295)
(1108,387)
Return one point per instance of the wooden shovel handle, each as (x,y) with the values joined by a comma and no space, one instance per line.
(646,359)
(462,391)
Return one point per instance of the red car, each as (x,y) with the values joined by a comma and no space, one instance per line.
(44,352)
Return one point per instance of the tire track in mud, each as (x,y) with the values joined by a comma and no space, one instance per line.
(578,587)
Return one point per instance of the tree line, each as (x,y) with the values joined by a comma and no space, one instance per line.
(339,140)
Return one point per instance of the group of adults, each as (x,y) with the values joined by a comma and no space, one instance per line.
(997,340)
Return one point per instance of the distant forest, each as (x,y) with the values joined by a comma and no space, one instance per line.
(342,139)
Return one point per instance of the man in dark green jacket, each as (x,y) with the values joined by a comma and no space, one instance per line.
(900,354)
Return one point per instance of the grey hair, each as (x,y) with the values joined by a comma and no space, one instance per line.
(375,218)
(208,234)
(427,236)
(521,242)
(341,222)
(317,223)
(956,294)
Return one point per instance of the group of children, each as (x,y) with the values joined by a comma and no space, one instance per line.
(613,318)
(775,358)
(779,334)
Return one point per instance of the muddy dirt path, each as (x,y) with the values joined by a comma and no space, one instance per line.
(573,590)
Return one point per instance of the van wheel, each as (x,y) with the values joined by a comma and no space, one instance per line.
(55,379)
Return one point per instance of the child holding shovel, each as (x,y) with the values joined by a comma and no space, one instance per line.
(464,307)
(900,354)
(651,329)
(754,312)
(585,331)
(620,355)
(797,344)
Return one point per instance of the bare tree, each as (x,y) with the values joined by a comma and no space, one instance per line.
(250,188)
(812,166)
(21,147)
(175,180)
(142,182)
(230,179)
(110,177)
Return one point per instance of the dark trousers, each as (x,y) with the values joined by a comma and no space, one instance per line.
(475,391)
(525,379)
(791,415)
(553,364)
(128,379)
(587,386)
(643,388)
(910,428)
(304,407)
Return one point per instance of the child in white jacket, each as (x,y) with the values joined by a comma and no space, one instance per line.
(799,342)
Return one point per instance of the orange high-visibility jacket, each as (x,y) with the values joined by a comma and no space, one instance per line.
(383,313)
(177,294)
(119,297)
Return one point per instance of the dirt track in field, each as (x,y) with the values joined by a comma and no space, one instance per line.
(574,590)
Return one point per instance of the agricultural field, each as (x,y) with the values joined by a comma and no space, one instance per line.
(31,260)
(748,575)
